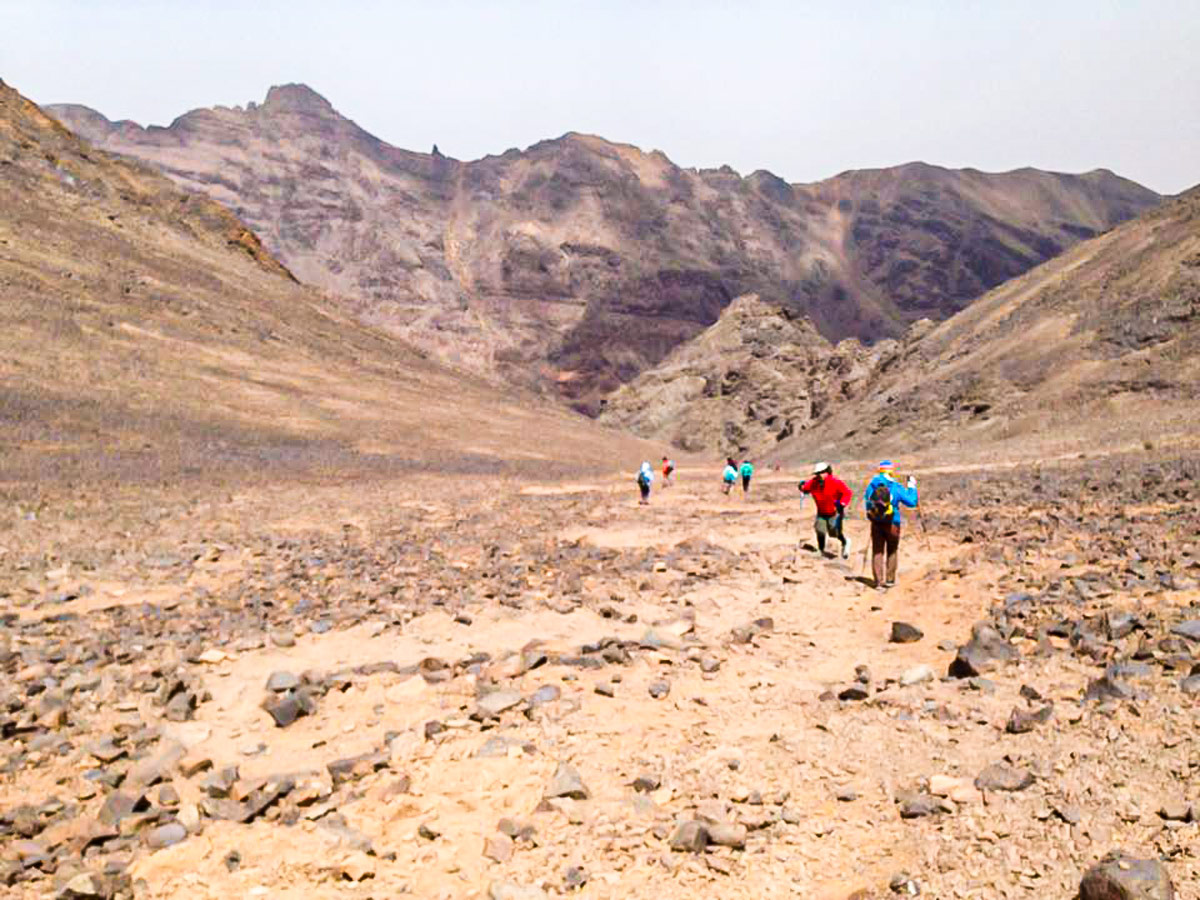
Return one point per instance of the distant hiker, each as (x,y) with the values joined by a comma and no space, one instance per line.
(747,472)
(882,500)
(645,478)
(668,471)
(729,476)
(832,497)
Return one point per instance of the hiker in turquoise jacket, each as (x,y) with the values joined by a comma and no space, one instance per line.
(746,471)
(882,501)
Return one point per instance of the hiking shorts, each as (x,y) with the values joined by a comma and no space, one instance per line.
(830,526)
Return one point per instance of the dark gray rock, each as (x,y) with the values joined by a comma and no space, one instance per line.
(904,633)
(1189,629)
(918,804)
(1122,877)
(646,783)
(986,650)
(1108,687)
(1022,721)
(690,837)
(219,783)
(1002,776)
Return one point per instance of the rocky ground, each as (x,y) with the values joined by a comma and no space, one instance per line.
(477,688)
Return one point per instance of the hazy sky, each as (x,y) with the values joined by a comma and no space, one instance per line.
(804,89)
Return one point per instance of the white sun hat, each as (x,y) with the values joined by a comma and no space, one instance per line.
(821,467)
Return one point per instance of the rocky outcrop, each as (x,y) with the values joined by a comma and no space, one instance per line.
(578,263)
(759,375)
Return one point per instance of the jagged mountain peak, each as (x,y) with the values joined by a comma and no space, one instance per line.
(297,98)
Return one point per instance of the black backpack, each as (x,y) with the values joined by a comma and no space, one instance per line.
(879,504)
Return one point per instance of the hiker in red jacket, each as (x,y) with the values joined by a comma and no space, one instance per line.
(832,497)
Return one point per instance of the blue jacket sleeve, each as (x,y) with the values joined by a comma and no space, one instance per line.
(904,495)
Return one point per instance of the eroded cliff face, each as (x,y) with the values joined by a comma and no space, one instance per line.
(761,374)
(578,263)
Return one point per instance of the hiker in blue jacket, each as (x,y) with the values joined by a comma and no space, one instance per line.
(882,501)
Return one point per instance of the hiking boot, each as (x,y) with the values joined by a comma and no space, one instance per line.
(846,548)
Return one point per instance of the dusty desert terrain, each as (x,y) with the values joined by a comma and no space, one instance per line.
(515,689)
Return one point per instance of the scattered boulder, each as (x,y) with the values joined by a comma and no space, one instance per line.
(986,650)
(1122,877)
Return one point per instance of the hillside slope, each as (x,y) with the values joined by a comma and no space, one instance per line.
(1099,347)
(578,263)
(145,333)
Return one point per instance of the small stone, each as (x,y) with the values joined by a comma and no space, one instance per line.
(168,796)
(918,805)
(1108,687)
(1022,721)
(690,837)
(430,831)
(353,768)
(508,890)
(724,834)
(644,784)
(567,782)
(219,783)
(121,804)
(1176,811)
(285,708)
(1002,776)
(846,794)
(193,764)
(165,836)
(356,867)
(282,681)
(985,651)
(791,815)
(916,675)
(575,878)
(498,848)
(105,751)
(547,693)
(659,689)
(83,886)
(854,692)
(605,689)
(904,633)
(709,664)
(491,705)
